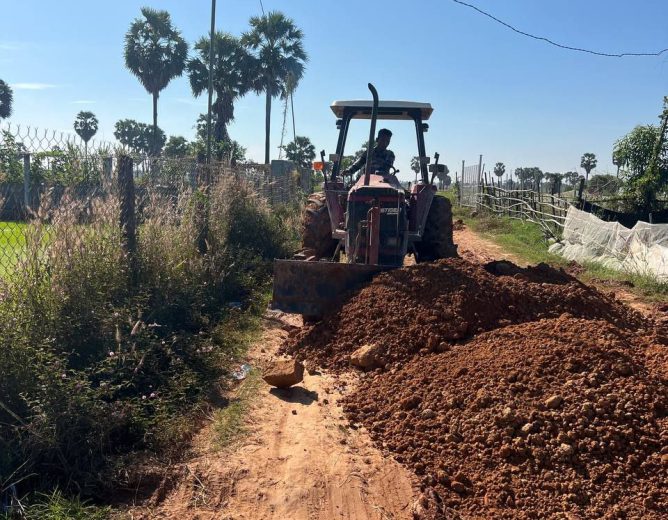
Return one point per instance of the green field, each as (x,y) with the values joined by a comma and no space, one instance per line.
(12,245)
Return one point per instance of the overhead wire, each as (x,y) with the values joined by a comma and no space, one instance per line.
(561,46)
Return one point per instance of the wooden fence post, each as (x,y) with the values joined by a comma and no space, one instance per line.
(128,218)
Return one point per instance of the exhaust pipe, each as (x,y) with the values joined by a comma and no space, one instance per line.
(372,134)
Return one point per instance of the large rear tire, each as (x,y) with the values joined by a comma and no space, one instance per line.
(317,238)
(437,239)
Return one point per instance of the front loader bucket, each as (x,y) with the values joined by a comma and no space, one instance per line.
(315,288)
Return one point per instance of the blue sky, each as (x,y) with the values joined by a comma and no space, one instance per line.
(495,92)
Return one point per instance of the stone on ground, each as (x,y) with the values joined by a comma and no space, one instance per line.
(283,373)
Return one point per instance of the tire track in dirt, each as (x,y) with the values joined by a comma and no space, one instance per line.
(299,459)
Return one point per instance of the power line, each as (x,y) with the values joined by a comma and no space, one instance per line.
(547,40)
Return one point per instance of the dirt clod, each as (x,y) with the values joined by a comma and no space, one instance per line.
(367,357)
(283,373)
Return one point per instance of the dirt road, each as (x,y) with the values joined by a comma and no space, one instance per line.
(299,460)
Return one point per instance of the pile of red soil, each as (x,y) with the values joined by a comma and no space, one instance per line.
(557,418)
(431,306)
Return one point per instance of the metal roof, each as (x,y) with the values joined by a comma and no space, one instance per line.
(386,109)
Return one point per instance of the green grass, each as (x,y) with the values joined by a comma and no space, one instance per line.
(228,422)
(12,245)
(526,241)
(237,336)
(55,506)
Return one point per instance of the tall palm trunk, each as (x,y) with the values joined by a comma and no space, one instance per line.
(154,147)
(267,127)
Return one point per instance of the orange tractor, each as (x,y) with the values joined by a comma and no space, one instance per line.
(373,220)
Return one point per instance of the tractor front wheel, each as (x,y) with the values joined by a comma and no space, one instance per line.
(317,238)
(437,239)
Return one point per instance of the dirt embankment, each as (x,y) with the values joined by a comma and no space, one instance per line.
(510,393)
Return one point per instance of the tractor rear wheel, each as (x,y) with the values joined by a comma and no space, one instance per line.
(317,238)
(437,239)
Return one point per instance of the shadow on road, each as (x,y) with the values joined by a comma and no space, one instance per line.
(295,394)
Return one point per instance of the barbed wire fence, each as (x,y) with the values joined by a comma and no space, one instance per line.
(49,178)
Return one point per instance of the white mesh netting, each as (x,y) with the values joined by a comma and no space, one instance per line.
(642,249)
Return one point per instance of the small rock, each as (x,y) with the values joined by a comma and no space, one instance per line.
(505,451)
(367,357)
(624,370)
(294,412)
(428,413)
(554,402)
(528,428)
(458,487)
(566,450)
(284,373)
(443,347)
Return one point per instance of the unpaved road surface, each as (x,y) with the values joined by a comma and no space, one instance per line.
(299,460)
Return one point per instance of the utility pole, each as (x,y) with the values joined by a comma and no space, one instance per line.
(208,117)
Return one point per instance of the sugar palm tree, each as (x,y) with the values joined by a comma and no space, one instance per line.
(499,170)
(232,77)
(6,99)
(85,125)
(156,53)
(276,43)
(588,162)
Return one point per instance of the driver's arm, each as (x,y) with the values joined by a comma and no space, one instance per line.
(355,166)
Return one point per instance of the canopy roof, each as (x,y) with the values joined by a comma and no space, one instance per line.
(386,109)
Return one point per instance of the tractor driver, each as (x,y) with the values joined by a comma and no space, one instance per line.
(382,159)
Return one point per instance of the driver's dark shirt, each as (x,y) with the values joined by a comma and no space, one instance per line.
(381,161)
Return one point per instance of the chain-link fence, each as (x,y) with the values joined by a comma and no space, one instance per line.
(51,182)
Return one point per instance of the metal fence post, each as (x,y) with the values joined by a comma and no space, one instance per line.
(128,220)
(26,183)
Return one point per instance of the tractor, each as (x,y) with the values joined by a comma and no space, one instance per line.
(357,228)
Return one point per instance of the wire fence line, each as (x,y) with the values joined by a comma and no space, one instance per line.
(546,210)
(49,181)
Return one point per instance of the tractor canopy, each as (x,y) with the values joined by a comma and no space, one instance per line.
(398,110)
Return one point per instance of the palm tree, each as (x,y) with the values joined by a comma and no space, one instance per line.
(232,77)
(415,166)
(588,162)
(617,159)
(300,151)
(499,170)
(6,100)
(156,53)
(85,125)
(276,43)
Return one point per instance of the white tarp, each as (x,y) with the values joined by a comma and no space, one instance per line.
(642,249)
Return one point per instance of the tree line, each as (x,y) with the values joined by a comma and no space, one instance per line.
(641,158)
(269,58)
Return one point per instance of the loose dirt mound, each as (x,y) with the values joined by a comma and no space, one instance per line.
(430,306)
(536,420)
